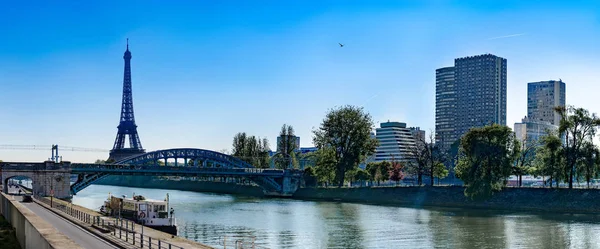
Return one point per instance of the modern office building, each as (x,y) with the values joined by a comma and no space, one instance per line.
(470,94)
(396,142)
(445,107)
(529,131)
(542,98)
(480,91)
(417,133)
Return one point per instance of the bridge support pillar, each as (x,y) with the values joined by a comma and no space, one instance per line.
(46,178)
(289,184)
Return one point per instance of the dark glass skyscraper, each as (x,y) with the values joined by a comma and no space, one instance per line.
(470,94)
(445,107)
(480,91)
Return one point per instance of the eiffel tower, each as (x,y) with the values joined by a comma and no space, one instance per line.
(127,127)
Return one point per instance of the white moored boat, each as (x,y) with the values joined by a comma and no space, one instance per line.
(152,213)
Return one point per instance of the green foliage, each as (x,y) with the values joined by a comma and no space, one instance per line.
(251,149)
(440,171)
(310,178)
(549,159)
(589,161)
(325,165)
(307,159)
(286,148)
(8,238)
(362,175)
(99,161)
(425,156)
(379,171)
(486,159)
(347,131)
(524,161)
(578,126)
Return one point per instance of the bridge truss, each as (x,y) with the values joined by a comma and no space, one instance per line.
(196,163)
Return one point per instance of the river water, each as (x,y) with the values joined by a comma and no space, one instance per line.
(283,223)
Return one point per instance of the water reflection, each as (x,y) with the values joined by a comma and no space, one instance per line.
(284,223)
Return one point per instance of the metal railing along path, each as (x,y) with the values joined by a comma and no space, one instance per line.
(118,228)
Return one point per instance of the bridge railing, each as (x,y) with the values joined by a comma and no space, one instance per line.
(119,228)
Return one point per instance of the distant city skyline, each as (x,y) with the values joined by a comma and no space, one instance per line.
(203,72)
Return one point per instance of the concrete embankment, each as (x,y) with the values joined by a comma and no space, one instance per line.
(524,199)
(185,185)
(518,199)
(32,231)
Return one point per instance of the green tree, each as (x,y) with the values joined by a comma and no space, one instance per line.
(351,175)
(524,160)
(307,159)
(325,166)
(440,171)
(452,156)
(425,156)
(590,159)
(487,154)
(98,161)
(251,149)
(347,130)
(378,171)
(382,174)
(549,159)
(371,169)
(578,126)
(310,179)
(362,176)
(286,148)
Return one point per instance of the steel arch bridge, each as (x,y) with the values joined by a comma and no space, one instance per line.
(196,163)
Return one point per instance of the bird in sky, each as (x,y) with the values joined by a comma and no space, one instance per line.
(341,45)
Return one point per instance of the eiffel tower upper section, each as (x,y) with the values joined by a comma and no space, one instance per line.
(127,127)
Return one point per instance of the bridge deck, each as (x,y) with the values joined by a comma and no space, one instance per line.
(172,170)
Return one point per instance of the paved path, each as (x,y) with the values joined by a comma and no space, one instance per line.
(74,232)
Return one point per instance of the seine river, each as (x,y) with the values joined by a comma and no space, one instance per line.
(284,223)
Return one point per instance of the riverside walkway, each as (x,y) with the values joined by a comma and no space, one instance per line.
(126,233)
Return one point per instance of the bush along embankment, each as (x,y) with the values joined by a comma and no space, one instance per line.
(8,238)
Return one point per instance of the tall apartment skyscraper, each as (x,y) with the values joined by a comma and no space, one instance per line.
(542,97)
(480,91)
(470,94)
(445,107)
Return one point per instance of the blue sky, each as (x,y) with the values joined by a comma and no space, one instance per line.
(205,70)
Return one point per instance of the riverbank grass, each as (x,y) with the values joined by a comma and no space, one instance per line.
(8,238)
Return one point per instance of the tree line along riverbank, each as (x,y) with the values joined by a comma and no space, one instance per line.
(517,199)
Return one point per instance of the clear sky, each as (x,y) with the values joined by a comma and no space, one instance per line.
(205,70)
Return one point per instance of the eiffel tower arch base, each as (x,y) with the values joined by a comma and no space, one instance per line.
(118,155)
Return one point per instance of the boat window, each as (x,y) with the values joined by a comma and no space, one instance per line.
(161,208)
